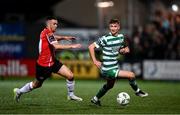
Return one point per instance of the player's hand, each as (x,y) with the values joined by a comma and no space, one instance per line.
(76,46)
(97,63)
(73,38)
(70,38)
(122,50)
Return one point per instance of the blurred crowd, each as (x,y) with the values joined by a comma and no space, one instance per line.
(157,39)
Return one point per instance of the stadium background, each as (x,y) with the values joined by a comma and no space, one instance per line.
(152,28)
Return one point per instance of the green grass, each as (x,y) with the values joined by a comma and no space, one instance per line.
(164,98)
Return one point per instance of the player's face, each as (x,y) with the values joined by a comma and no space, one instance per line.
(114,28)
(53,25)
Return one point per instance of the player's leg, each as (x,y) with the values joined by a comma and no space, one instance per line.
(109,85)
(66,72)
(132,81)
(25,89)
(42,73)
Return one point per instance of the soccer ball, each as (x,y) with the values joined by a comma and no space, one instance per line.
(123,98)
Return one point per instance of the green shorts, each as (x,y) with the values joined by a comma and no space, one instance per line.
(112,74)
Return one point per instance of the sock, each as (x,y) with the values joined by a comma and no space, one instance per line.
(138,90)
(134,85)
(102,91)
(26,88)
(70,87)
(95,98)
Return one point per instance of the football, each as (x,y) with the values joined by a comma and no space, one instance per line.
(123,98)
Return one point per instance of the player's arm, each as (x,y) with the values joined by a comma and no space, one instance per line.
(92,54)
(125,48)
(58,37)
(53,41)
(58,46)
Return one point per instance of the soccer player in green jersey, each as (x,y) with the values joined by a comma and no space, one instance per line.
(112,44)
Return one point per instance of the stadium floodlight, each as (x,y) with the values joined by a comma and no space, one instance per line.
(105,4)
(175,7)
(101,5)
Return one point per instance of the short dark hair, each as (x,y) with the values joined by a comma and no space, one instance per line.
(112,21)
(51,18)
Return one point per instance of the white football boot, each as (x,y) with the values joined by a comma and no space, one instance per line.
(17,94)
(74,97)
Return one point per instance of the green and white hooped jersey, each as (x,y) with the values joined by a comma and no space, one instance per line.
(110,50)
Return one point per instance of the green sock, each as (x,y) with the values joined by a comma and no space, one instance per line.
(133,84)
(102,91)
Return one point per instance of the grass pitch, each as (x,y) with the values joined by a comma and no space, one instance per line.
(163,98)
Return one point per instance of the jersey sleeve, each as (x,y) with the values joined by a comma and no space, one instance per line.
(51,38)
(100,42)
(124,41)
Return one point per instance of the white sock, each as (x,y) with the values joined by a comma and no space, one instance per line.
(70,87)
(137,90)
(95,98)
(26,88)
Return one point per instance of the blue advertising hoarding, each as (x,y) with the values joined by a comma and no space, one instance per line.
(12,40)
